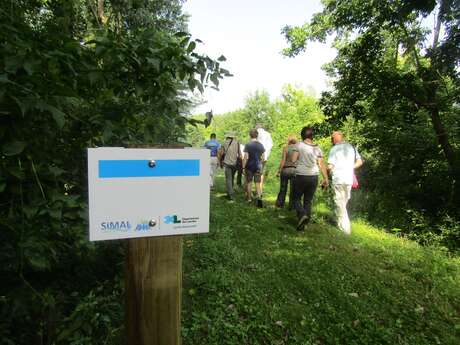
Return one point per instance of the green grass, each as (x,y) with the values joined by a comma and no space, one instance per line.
(255,280)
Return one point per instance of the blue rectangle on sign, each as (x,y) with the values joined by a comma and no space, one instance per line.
(141,168)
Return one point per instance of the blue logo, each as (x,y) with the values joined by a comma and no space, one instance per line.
(142,226)
(171,219)
(116,226)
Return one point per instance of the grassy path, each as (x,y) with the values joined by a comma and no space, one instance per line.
(255,280)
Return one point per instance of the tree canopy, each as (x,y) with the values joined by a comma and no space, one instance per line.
(389,62)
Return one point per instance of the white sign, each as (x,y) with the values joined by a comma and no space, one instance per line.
(147,192)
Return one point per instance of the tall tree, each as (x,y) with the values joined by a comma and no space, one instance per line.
(258,109)
(294,110)
(388,62)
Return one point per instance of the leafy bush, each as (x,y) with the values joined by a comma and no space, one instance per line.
(72,79)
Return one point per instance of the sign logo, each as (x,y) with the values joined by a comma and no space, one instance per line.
(115,226)
(171,219)
(143,225)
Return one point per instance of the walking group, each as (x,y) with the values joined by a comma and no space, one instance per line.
(241,160)
(301,164)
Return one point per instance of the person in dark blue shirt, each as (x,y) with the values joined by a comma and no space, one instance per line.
(252,165)
(213,145)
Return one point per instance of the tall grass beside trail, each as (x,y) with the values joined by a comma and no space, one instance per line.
(255,280)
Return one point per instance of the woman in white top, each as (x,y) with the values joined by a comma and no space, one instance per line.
(309,162)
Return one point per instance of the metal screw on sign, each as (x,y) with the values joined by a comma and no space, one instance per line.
(152,223)
(152,163)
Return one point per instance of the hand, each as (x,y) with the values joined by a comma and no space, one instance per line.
(278,174)
(325,184)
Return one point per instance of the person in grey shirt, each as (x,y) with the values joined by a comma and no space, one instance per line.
(309,162)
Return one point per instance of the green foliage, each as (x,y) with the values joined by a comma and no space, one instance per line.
(94,317)
(398,102)
(259,109)
(294,110)
(383,70)
(73,77)
(286,115)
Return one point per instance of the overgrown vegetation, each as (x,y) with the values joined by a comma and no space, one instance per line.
(78,74)
(404,174)
(395,95)
(396,91)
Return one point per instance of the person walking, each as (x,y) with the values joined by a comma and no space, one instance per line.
(252,165)
(265,138)
(228,157)
(342,160)
(309,158)
(213,146)
(286,172)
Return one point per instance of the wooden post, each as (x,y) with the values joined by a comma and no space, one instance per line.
(153,291)
(153,279)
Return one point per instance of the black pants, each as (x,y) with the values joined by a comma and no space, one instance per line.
(239,175)
(304,186)
(284,181)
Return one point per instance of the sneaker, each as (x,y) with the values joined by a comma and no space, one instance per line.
(302,222)
(259,203)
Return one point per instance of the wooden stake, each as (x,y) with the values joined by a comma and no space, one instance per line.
(153,291)
(153,280)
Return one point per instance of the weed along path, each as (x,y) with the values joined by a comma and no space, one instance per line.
(256,280)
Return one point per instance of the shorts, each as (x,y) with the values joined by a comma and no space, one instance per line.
(253,175)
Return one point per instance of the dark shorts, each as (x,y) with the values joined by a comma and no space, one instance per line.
(253,175)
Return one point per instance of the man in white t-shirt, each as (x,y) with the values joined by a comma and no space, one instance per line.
(343,159)
(265,138)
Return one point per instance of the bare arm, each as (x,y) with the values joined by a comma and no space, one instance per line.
(358,163)
(283,160)
(245,160)
(295,156)
(219,155)
(322,168)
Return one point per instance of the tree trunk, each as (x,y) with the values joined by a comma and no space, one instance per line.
(100,12)
(437,27)
(450,154)
(443,139)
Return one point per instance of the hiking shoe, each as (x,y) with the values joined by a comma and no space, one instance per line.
(259,203)
(302,222)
